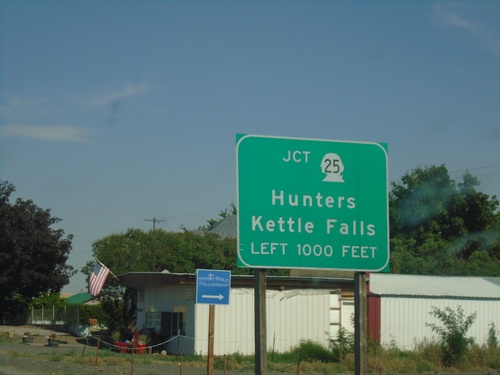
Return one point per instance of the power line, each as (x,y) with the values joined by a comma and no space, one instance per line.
(477,168)
(154,220)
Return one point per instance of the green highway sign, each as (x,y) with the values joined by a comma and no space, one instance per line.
(307,203)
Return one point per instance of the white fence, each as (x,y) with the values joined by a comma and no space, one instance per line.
(54,315)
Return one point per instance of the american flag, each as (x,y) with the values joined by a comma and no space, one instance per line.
(97,278)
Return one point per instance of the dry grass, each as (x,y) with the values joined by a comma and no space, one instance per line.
(424,358)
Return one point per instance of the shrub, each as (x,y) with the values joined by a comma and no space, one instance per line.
(453,334)
(311,351)
(429,351)
(342,344)
(492,337)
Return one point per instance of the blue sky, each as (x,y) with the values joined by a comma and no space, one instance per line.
(113,112)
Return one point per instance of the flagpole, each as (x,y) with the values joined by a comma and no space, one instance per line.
(106,267)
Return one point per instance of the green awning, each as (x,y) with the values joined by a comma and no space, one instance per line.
(78,298)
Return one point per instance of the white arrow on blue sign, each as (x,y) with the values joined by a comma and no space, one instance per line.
(213,287)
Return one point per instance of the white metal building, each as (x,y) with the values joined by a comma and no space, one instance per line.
(400,305)
(297,308)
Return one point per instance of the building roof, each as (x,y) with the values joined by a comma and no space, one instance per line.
(227,227)
(435,286)
(148,279)
(78,298)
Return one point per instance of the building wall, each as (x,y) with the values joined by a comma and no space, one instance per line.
(341,314)
(295,315)
(374,317)
(403,319)
(170,299)
(292,315)
(233,325)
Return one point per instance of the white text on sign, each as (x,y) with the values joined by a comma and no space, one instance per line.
(298,225)
(315,250)
(297,156)
(269,248)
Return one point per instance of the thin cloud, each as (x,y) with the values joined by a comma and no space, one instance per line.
(453,19)
(450,18)
(62,133)
(15,108)
(112,98)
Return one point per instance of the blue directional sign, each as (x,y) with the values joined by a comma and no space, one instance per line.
(213,287)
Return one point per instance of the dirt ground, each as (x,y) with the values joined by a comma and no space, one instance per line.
(17,358)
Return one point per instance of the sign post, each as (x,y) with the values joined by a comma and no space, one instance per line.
(360,324)
(260,322)
(313,204)
(212,287)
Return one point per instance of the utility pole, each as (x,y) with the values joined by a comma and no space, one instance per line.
(154,220)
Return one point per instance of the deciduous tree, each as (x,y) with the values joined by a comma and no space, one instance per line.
(156,251)
(438,226)
(33,255)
